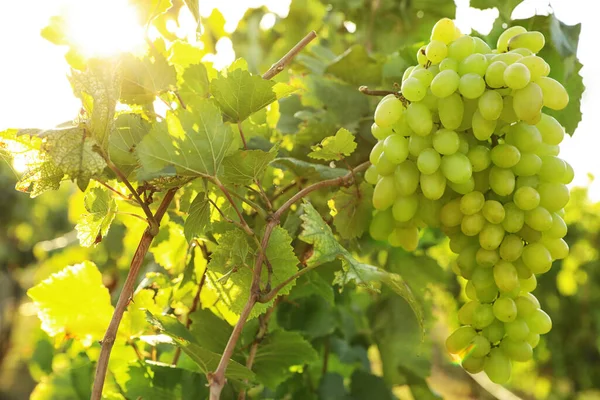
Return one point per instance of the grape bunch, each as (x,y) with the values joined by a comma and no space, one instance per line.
(467,148)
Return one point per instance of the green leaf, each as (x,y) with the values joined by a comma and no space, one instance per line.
(198,219)
(101,208)
(366,386)
(98,87)
(129,130)
(210,331)
(145,78)
(306,170)
(354,210)
(70,315)
(313,316)
(170,247)
(327,248)
(279,351)
(357,67)
(310,284)
(207,360)
(193,141)
(193,83)
(241,94)
(245,166)
(334,147)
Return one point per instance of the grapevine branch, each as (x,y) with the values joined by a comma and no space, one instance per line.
(370,92)
(285,60)
(217,378)
(126,293)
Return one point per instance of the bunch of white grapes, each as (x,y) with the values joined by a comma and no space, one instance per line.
(466,147)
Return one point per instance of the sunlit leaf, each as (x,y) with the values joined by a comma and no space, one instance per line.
(245,166)
(354,208)
(129,130)
(101,208)
(198,219)
(334,147)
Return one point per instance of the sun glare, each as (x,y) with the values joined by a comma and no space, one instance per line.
(104,28)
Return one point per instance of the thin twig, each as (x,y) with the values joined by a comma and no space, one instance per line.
(263,195)
(126,293)
(267,297)
(223,189)
(353,177)
(112,189)
(369,92)
(136,349)
(261,211)
(239,124)
(285,60)
(176,92)
(225,217)
(132,215)
(287,188)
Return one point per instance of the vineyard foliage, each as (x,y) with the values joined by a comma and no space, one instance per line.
(263,180)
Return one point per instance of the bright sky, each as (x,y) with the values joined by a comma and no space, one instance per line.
(35,91)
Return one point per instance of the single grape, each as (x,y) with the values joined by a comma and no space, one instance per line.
(445,83)
(558,248)
(451,214)
(526,304)
(539,322)
(490,105)
(505,309)
(484,316)
(382,225)
(482,128)
(407,73)
(553,169)
(451,110)
(419,119)
(502,181)
(433,185)
(473,364)
(505,155)
(436,51)
(517,329)
(526,137)
(475,63)
(421,57)
(371,175)
(384,193)
(416,144)
(528,165)
(527,103)
(456,168)
(395,148)
(480,158)
(405,207)
(517,76)
(537,258)
(533,41)
(481,47)
(446,141)
(461,48)
(558,229)
(511,248)
(407,238)
(460,339)
(550,129)
(471,86)
(507,58)
(526,198)
(536,65)
(423,75)
(486,258)
(480,346)
(555,94)
(472,224)
(503,39)
(380,133)
(497,366)
(429,161)
(413,90)
(406,178)
(494,332)
(518,350)
(466,312)
(384,165)
(388,111)
(514,218)
(491,236)
(505,276)
(533,339)
(449,63)
(472,203)
(493,211)
(444,30)
(494,74)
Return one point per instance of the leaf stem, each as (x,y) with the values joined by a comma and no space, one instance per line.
(261,211)
(112,189)
(286,59)
(369,92)
(263,195)
(239,124)
(244,224)
(125,296)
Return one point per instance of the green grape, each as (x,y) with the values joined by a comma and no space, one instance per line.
(464,144)
(503,39)
(430,101)
(451,110)
(471,225)
(553,196)
(480,347)
(446,141)
(395,148)
(493,212)
(551,130)
(405,208)
(558,229)
(505,309)
(470,291)
(497,366)
(526,304)
(508,113)
(423,75)
(539,219)
(401,127)
(463,187)
(539,322)
(407,73)
(505,155)
(533,339)
(481,47)
(475,63)
(433,185)
(569,174)
(406,177)
(382,225)
(450,214)
(528,165)
(482,181)
(482,128)
(471,86)
(421,57)
(494,74)
(527,103)
(385,193)
(517,350)
(379,132)
(416,144)
(522,51)
(444,30)
(466,312)
(456,168)
(445,83)
(466,261)
(502,181)
(536,65)
(461,48)
(470,109)
(388,111)
(526,137)
(429,211)
(486,258)
(547,150)
(526,198)
(436,51)
(482,277)
(528,284)
(522,269)
(419,119)
(511,248)
(507,58)
(516,76)
(371,175)
(514,218)
(553,169)
(407,238)
(480,158)
(449,63)
(517,329)
(533,41)
(376,152)
(530,181)
(472,203)
(555,94)
(558,248)
(483,316)
(385,166)
(487,294)
(490,105)
(413,89)
(491,236)
(473,365)
(505,276)
(537,258)
(494,332)
(460,339)
(529,234)
(428,161)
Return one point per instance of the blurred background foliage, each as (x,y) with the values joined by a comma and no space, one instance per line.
(367,344)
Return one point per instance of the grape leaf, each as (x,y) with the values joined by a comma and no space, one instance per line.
(310,284)
(170,247)
(306,170)
(210,331)
(193,83)
(145,78)
(207,360)
(198,219)
(129,130)
(357,67)
(334,147)
(245,166)
(279,351)
(65,301)
(366,386)
(101,208)
(354,210)
(193,141)
(326,248)
(240,94)
(98,87)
